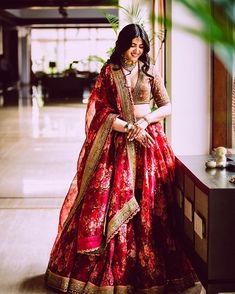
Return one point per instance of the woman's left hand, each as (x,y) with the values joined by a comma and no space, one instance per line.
(145,139)
(134,132)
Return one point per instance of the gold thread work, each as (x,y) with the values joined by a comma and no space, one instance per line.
(92,162)
(71,285)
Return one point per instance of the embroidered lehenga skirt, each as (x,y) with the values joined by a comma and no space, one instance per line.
(142,255)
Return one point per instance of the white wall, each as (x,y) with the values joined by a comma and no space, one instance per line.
(188,83)
(24,55)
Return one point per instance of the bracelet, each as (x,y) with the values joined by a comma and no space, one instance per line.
(128,127)
(145,118)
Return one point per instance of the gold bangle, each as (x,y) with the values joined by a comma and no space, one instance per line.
(145,118)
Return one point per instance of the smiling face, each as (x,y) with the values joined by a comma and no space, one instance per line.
(135,51)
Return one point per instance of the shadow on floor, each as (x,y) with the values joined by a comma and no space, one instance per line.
(35,285)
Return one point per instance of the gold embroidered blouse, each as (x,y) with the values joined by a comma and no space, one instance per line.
(147,87)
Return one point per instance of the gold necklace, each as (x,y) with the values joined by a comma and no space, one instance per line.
(127,64)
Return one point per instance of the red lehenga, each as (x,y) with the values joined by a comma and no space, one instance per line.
(115,233)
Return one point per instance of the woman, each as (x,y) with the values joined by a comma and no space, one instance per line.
(115,233)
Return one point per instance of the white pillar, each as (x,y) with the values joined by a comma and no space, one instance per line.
(188,83)
(24,55)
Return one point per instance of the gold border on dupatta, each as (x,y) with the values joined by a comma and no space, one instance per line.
(92,162)
(122,216)
(128,115)
(131,207)
(71,285)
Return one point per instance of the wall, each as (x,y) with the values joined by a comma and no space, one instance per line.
(188,83)
(10,48)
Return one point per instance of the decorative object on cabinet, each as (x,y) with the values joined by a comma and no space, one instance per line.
(210,163)
(220,160)
(232,180)
(220,157)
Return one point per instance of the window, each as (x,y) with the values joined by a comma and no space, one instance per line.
(66,45)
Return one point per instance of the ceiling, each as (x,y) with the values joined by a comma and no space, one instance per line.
(57,12)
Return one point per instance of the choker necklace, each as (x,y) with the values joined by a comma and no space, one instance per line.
(128,64)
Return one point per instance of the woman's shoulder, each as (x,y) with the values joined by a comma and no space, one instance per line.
(107,68)
(106,73)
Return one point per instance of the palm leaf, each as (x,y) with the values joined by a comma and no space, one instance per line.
(113,20)
(133,13)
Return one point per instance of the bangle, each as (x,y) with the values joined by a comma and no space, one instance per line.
(128,127)
(145,118)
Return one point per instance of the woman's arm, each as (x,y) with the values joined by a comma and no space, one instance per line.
(133,132)
(161,99)
(158,114)
(119,125)
(152,117)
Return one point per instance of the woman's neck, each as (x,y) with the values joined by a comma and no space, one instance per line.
(128,65)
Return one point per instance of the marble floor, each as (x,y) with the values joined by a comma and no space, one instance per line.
(39,147)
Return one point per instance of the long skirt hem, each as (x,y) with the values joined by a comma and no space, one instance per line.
(71,285)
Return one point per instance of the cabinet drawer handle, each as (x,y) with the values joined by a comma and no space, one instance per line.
(179,197)
(188,209)
(199,226)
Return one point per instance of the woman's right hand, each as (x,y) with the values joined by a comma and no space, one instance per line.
(134,131)
(144,138)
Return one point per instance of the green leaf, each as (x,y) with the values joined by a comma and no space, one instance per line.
(113,20)
(96,58)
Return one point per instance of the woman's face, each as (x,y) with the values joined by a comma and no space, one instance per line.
(135,51)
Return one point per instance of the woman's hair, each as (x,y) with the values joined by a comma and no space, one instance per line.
(123,43)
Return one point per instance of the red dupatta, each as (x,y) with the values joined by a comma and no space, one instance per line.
(95,203)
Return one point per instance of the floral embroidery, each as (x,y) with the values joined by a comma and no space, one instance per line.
(119,238)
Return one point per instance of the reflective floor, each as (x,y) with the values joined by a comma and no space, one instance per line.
(39,147)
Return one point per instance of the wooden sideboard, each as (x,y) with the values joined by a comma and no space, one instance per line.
(205,219)
(58,87)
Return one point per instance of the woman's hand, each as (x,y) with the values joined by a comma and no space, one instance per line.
(133,132)
(145,139)
(137,132)
(136,129)
(141,136)
(142,123)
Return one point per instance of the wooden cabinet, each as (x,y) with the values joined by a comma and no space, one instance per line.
(205,218)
